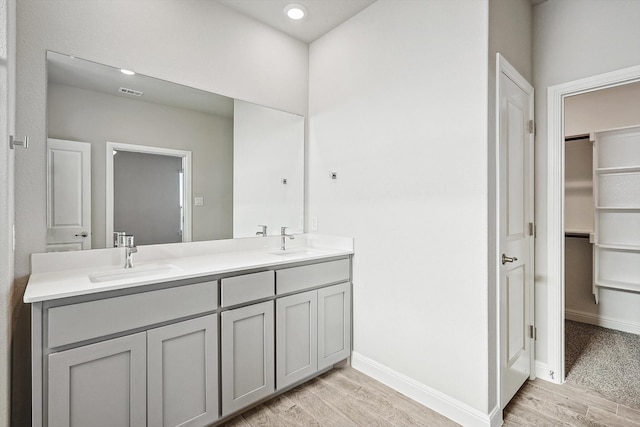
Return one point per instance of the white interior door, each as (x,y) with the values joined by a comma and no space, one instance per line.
(515,228)
(68,195)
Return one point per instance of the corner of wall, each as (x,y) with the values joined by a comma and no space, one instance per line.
(427,396)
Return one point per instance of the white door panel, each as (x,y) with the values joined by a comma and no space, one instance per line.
(515,187)
(68,195)
(515,166)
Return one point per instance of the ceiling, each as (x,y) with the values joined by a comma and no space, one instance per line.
(323,16)
(75,72)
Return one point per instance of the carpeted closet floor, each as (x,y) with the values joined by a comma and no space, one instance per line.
(603,359)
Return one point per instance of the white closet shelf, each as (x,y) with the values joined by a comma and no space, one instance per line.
(616,174)
(625,248)
(620,169)
(626,286)
(618,208)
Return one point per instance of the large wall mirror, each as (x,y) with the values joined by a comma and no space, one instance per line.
(162,161)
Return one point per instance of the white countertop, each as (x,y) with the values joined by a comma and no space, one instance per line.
(66,274)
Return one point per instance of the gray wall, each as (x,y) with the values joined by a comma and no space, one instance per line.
(146,197)
(88,116)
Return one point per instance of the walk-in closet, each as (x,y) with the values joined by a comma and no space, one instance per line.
(602,241)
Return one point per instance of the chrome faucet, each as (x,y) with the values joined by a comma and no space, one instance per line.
(283,237)
(262,233)
(130,249)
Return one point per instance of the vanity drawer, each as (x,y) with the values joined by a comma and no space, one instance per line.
(249,287)
(78,322)
(309,276)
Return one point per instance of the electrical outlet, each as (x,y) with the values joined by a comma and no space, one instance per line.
(198,201)
(314,223)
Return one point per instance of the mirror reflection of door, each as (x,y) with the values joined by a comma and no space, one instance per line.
(68,195)
(148,197)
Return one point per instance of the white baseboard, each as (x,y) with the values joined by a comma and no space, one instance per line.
(429,397)
(605,322)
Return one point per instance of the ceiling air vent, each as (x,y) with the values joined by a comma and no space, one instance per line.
(130,91)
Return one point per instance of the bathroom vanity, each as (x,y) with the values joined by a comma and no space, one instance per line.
(192,335)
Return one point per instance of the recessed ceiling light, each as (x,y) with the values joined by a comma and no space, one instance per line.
(127,72)
(295,11)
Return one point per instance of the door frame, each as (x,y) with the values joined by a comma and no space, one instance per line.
(186,167)
(555,207)
(504,67)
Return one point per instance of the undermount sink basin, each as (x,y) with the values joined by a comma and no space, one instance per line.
(296,252)
(132,273)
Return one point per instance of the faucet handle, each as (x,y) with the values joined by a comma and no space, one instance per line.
(117,238)
(283,233)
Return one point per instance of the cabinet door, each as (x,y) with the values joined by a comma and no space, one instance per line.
(182,373)
(334,324)
(247,355)
(101,384)
(296,337)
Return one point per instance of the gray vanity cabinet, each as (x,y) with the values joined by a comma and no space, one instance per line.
(334,324)
(188,352)
(313,327)
(247,355)
(106,362)
(297,337)
(102,384)
(182,373)
(313,332)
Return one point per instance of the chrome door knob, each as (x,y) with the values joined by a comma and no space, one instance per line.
(506,259)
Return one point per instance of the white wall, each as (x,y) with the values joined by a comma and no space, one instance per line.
(573,39)
(593,111)
(7,99)
(88,116)
(398,108)
(510,34)
(197,43)
(268,145)
(602,109)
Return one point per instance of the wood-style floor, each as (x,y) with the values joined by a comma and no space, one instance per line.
(346,397)
(543,403)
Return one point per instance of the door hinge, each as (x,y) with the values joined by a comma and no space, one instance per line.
(532,229)
(533,332)
(531,127)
